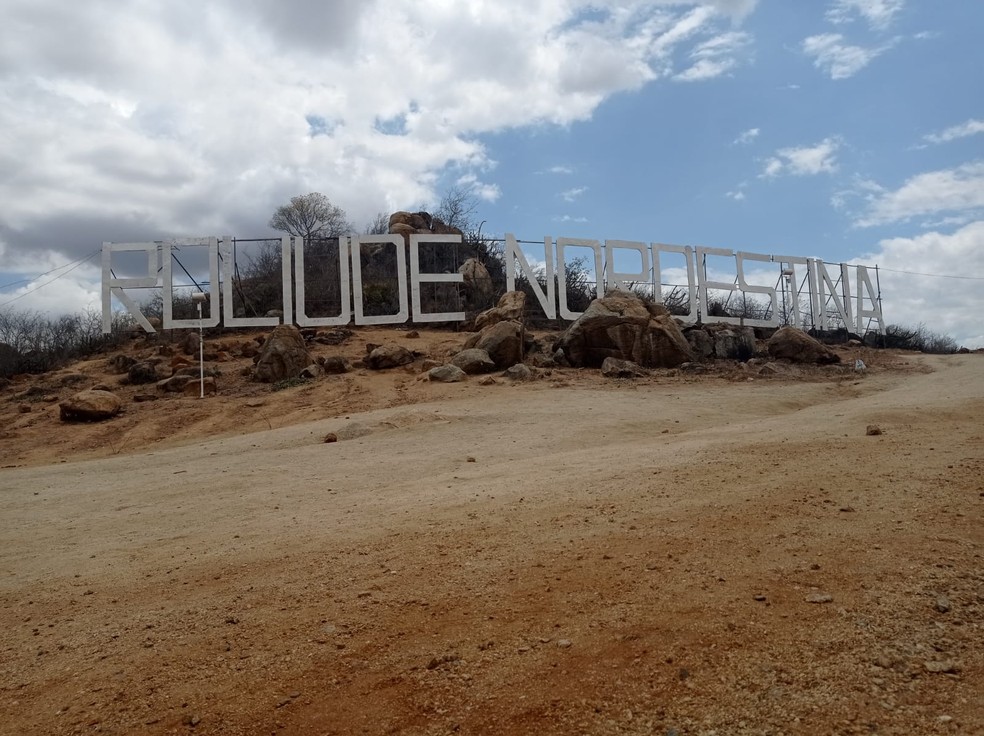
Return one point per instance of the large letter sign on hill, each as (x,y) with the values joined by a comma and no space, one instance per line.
(813,295)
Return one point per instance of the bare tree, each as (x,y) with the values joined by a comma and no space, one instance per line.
(311,216)
(379,225)
(457,208)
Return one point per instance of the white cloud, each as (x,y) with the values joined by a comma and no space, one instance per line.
(964,130)
(572,194)
(878,13)
(141,121)
(482,190)
(560,170)
(839,59)
(945,305)
(804,160)
(747,136)
(715,57)
(738,193)
(570,218)
(860,187)
(79,287)
(956,190)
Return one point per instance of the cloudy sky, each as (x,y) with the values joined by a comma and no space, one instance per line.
(839,129)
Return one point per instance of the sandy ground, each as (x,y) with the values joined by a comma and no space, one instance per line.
(566,556)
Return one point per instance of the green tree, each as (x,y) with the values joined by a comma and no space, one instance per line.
(311,216)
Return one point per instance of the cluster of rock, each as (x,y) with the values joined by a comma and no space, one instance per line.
(476,278)
(625,337)
(623,326)
(620,333)
(419,223)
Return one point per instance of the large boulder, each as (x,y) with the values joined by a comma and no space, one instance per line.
(477,280)
(474,361)
(503,341)
(388,356)
(700,342)
(792,344)
(145,371)
(732,342)
(620,325)
(90,406)
(511,306)
(282,356)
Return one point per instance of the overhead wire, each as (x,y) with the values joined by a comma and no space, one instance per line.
(42,275)
(933,275)
(46,283)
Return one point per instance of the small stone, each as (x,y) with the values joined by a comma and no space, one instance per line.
(564,643)
(518,372)
(942,604)
(758,597)
(487,381)
(819,598)
(446,374)
(941,666)
(331,437)
(470,459)
(872,430)
(847,509)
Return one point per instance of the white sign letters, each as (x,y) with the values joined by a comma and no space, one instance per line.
(794,290)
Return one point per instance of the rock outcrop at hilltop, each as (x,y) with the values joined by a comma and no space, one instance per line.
(419,223)
(621,325)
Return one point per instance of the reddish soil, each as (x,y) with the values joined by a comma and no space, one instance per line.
(569,555)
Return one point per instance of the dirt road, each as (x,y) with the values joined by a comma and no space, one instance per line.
(622,558)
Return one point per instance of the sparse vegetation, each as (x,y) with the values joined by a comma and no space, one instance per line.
(289,383)
(33,342)
(918,338)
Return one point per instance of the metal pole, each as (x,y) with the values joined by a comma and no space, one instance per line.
(201,355)
(198,297)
